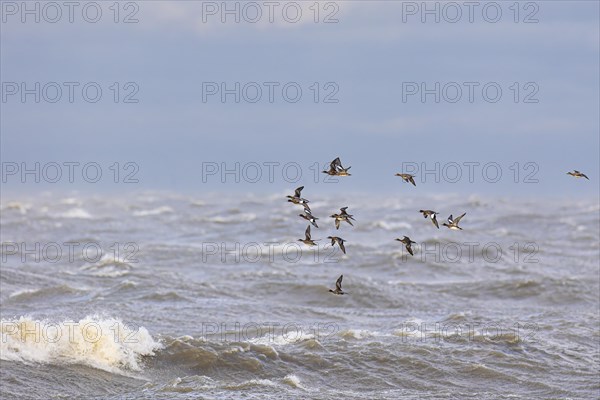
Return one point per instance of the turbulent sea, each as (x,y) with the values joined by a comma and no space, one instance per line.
(213,297)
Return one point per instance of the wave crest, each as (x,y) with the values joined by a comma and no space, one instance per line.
(106,344)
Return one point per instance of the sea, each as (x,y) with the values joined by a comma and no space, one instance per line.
(158,295)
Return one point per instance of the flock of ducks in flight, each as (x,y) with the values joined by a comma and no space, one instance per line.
(336,169)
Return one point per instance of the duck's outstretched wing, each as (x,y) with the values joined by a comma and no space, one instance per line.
(457,220)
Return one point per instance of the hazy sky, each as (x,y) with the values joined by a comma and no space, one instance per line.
(369,79)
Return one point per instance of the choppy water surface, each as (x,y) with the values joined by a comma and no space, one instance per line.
(177,297)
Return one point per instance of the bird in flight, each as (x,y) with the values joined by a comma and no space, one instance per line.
(309,217)
(432,215)
(408,244)
(297,198)
(453,222)
(339,241)
(341,217)
(338,286)
(307,240)
(578,174)
(336,168)
(408,178)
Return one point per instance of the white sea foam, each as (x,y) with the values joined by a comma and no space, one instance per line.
(108,266)
(391,226)
(358,334)
(23,292)
(103,343)
(15,205)
(227,219)
(153,211)
(76,213)
(251,383)
(290,337)
(72,201)
(292,380)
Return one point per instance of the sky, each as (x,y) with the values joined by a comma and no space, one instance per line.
(498,98)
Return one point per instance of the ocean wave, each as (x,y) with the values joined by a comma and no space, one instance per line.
(491,336)
(75,213)
(196,383)
(249,383)
(15,205)
(188,384)
(153,211)
(232,219)
(166,296)
(391,226)
(108,266)
(30,294)
(23,293)
(103,343)
(71,201)
(202,354)
(291,337)
(293,381)
(357,334)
